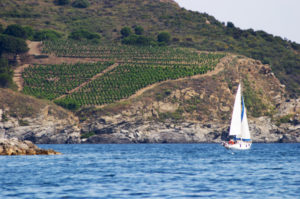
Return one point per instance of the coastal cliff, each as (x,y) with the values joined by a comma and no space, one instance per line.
(198,109)
(39,121)
(188,110)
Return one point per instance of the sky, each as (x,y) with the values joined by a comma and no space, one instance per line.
(277,17)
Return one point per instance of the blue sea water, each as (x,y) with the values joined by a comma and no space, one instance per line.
(154,171)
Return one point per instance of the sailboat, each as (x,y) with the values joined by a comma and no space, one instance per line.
(239,133)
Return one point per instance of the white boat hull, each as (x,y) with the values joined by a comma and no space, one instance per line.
(238,145)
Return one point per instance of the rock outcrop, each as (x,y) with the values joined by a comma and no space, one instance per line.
(16,147)
(41,122)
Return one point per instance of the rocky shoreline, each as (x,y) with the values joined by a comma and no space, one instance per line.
(262,130)
(17,147)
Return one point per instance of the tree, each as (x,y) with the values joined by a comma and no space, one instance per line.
(9,44)
(126,31)
(16,31)
(139,30)
(164,37)
(80,4)
(230,25)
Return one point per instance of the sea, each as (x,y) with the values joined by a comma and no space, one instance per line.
(154,171)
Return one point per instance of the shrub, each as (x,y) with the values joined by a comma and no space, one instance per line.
(83,34)
(126,31)
(16,31)
(164,37)
(80,4)
(62,2)
(46,35)
(139,40)
(70,104)
(9,44)
(139,30)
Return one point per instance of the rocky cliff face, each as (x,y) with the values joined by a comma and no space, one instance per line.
(198,109)
(41,122)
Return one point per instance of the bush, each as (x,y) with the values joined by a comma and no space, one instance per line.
(126,31)
(139,40)
(62,2)
(70,104)
(46,35)
(164,37)
(16,31)
(83,34)
(80,4)
(139,30)
(9,44)
(230,25)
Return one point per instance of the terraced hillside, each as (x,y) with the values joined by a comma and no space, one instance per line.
(137,68)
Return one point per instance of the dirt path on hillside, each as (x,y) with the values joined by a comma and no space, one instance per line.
(93,78)
(17,78)
(34,47)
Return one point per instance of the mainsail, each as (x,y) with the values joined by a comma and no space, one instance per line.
(235,127)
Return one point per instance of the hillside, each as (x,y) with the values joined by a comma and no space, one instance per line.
(190,29)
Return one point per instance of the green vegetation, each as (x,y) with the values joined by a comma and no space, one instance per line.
(138,68)
(164,37)
(52,81)
(83,35)
(87,135)
(70,104)
(188,28)
(10,44)
(125,80)
(62,2)
(5,73)
(126,31)
(80,4)
(253,102)
(139,30)
(46,35)
(16,31)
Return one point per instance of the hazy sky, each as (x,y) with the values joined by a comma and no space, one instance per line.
(277,17)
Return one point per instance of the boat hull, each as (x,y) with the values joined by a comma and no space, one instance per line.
(238,145)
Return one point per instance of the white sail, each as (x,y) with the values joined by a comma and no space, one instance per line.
(245,128)
(235,127)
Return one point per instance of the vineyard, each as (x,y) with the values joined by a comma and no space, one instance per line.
(126,54)
(138,67)
(52,81)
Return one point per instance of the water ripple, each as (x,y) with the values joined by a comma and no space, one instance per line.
(154,171)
